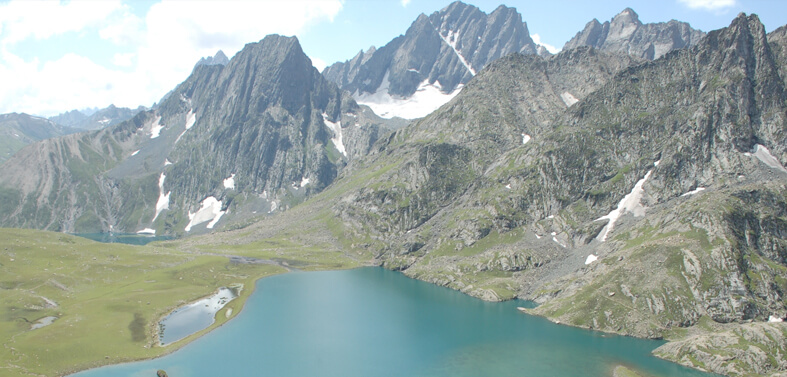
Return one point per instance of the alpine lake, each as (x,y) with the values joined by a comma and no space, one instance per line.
(374,322)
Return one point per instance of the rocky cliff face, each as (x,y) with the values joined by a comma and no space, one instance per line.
(254,136)
(438,54)
(626,34)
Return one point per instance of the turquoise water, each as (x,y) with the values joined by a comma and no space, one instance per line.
(374,322)
(127,238)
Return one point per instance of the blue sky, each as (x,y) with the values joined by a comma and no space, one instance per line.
(58,56)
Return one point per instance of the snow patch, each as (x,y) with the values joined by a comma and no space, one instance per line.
(229,183)
(692,192)
(763,154)
(591,258)
(568,99)
(557,242)
(134,153)
(104,121)
(450,40)
(180,136)
(413,70)
(163,199)
(525,138)
(337,134)
(629,203)
(304,181)
(155,130)
(775,319)
(166,162)
(210,211)
(147,231)
(191,117)
(508,186)
(426,99)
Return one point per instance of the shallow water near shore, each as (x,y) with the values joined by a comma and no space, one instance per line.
(194,317)
(374,322)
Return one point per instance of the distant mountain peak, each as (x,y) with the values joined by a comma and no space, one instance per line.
(625,33)
(218,59)
(433,60)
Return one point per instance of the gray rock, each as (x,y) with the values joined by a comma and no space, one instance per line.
(626,34)
(425,52)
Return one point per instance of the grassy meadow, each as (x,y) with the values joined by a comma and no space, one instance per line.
(108,298)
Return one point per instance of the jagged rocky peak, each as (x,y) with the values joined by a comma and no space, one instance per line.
(419,71)
(627,34)
(267,126)
(218,59)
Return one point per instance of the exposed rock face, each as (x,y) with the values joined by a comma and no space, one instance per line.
(741,350)
(440,166)
(445,49)
(264,131)
(626,34)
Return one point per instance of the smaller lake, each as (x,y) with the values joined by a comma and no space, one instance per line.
(126,238)
(194,317)
(371,322)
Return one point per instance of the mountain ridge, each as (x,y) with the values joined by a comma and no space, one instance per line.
(625,33)
(439,53)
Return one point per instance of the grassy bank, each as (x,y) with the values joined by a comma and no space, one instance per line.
(108,298)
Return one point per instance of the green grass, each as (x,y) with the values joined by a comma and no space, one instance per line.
(110,297)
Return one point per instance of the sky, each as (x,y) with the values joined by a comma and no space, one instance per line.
(58,56)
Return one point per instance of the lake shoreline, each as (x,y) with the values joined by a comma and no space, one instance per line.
(167,349)
(239,304)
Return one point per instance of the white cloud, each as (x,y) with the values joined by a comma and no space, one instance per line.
(123,59)
(537,39)
(125,29)
(714,5)
(154,53)
(21,20)
(405,3)
(318,63)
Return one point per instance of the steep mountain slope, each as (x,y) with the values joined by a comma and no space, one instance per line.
(264,131)
(416,73)
(18,130)
(626,34)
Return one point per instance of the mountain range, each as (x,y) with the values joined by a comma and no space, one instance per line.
(632,183)
(98,119)
(19,130)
